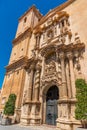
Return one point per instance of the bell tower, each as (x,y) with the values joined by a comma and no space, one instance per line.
(22,47)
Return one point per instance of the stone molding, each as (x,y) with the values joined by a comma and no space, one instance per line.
(62,48)
(73,101)
(27,32)
(61,55)
(57,19)
(57,9)
(21,62)
(69,55)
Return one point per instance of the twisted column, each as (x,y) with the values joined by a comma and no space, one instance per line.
(30,87)
(37,83)
(26,85)
(68,79)
(72,77)
(64,88)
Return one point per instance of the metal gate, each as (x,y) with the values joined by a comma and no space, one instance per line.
(51,112)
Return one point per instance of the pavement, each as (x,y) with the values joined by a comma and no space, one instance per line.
(20,127)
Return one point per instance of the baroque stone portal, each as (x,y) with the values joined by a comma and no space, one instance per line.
(48,55)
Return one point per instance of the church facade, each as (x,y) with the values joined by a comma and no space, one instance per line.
(49,53)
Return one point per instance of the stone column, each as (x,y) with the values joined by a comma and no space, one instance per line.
(37,84)
(58,29)
(61,28)
(35,112)
(43,65)
(58,68)
(64,88)
(30,87)
(26,87)
(55,29)
(65,23)
(37,44)
(68,79)
(37,40)
(70,57)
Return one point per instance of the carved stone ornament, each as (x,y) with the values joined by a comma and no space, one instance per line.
(62,39)
(50,68)
(50,48)
(77,39)
(33,53)
(49,22)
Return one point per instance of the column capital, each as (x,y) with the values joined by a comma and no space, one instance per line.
(38,67)
(32,67)
(61,55)
(76,54)
(69,55)
(37,35)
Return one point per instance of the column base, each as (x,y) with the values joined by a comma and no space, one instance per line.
(67,124)
(30,121)
(31,113)
(35,121)
(17,115)
(35,113)
(66,115)
(25,121)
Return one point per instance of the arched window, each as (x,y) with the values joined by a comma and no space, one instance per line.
(25,19)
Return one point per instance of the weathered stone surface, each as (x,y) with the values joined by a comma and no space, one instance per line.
(47,51)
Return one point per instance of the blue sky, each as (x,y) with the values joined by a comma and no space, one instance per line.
(10,11)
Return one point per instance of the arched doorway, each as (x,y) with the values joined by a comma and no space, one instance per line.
(52,97)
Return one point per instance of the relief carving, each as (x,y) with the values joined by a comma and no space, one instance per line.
(77,67)
(50,68)
(77,39)
(61,39)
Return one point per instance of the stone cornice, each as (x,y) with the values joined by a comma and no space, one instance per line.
(71,47)
(38,30)
(59,8)
(27,101)
(61,48)
(21,62)
(31,63)
(46,49)
(54,11)
(61,14)
(28,31)
(70,101)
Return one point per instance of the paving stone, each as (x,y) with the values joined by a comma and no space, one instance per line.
(19,127)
